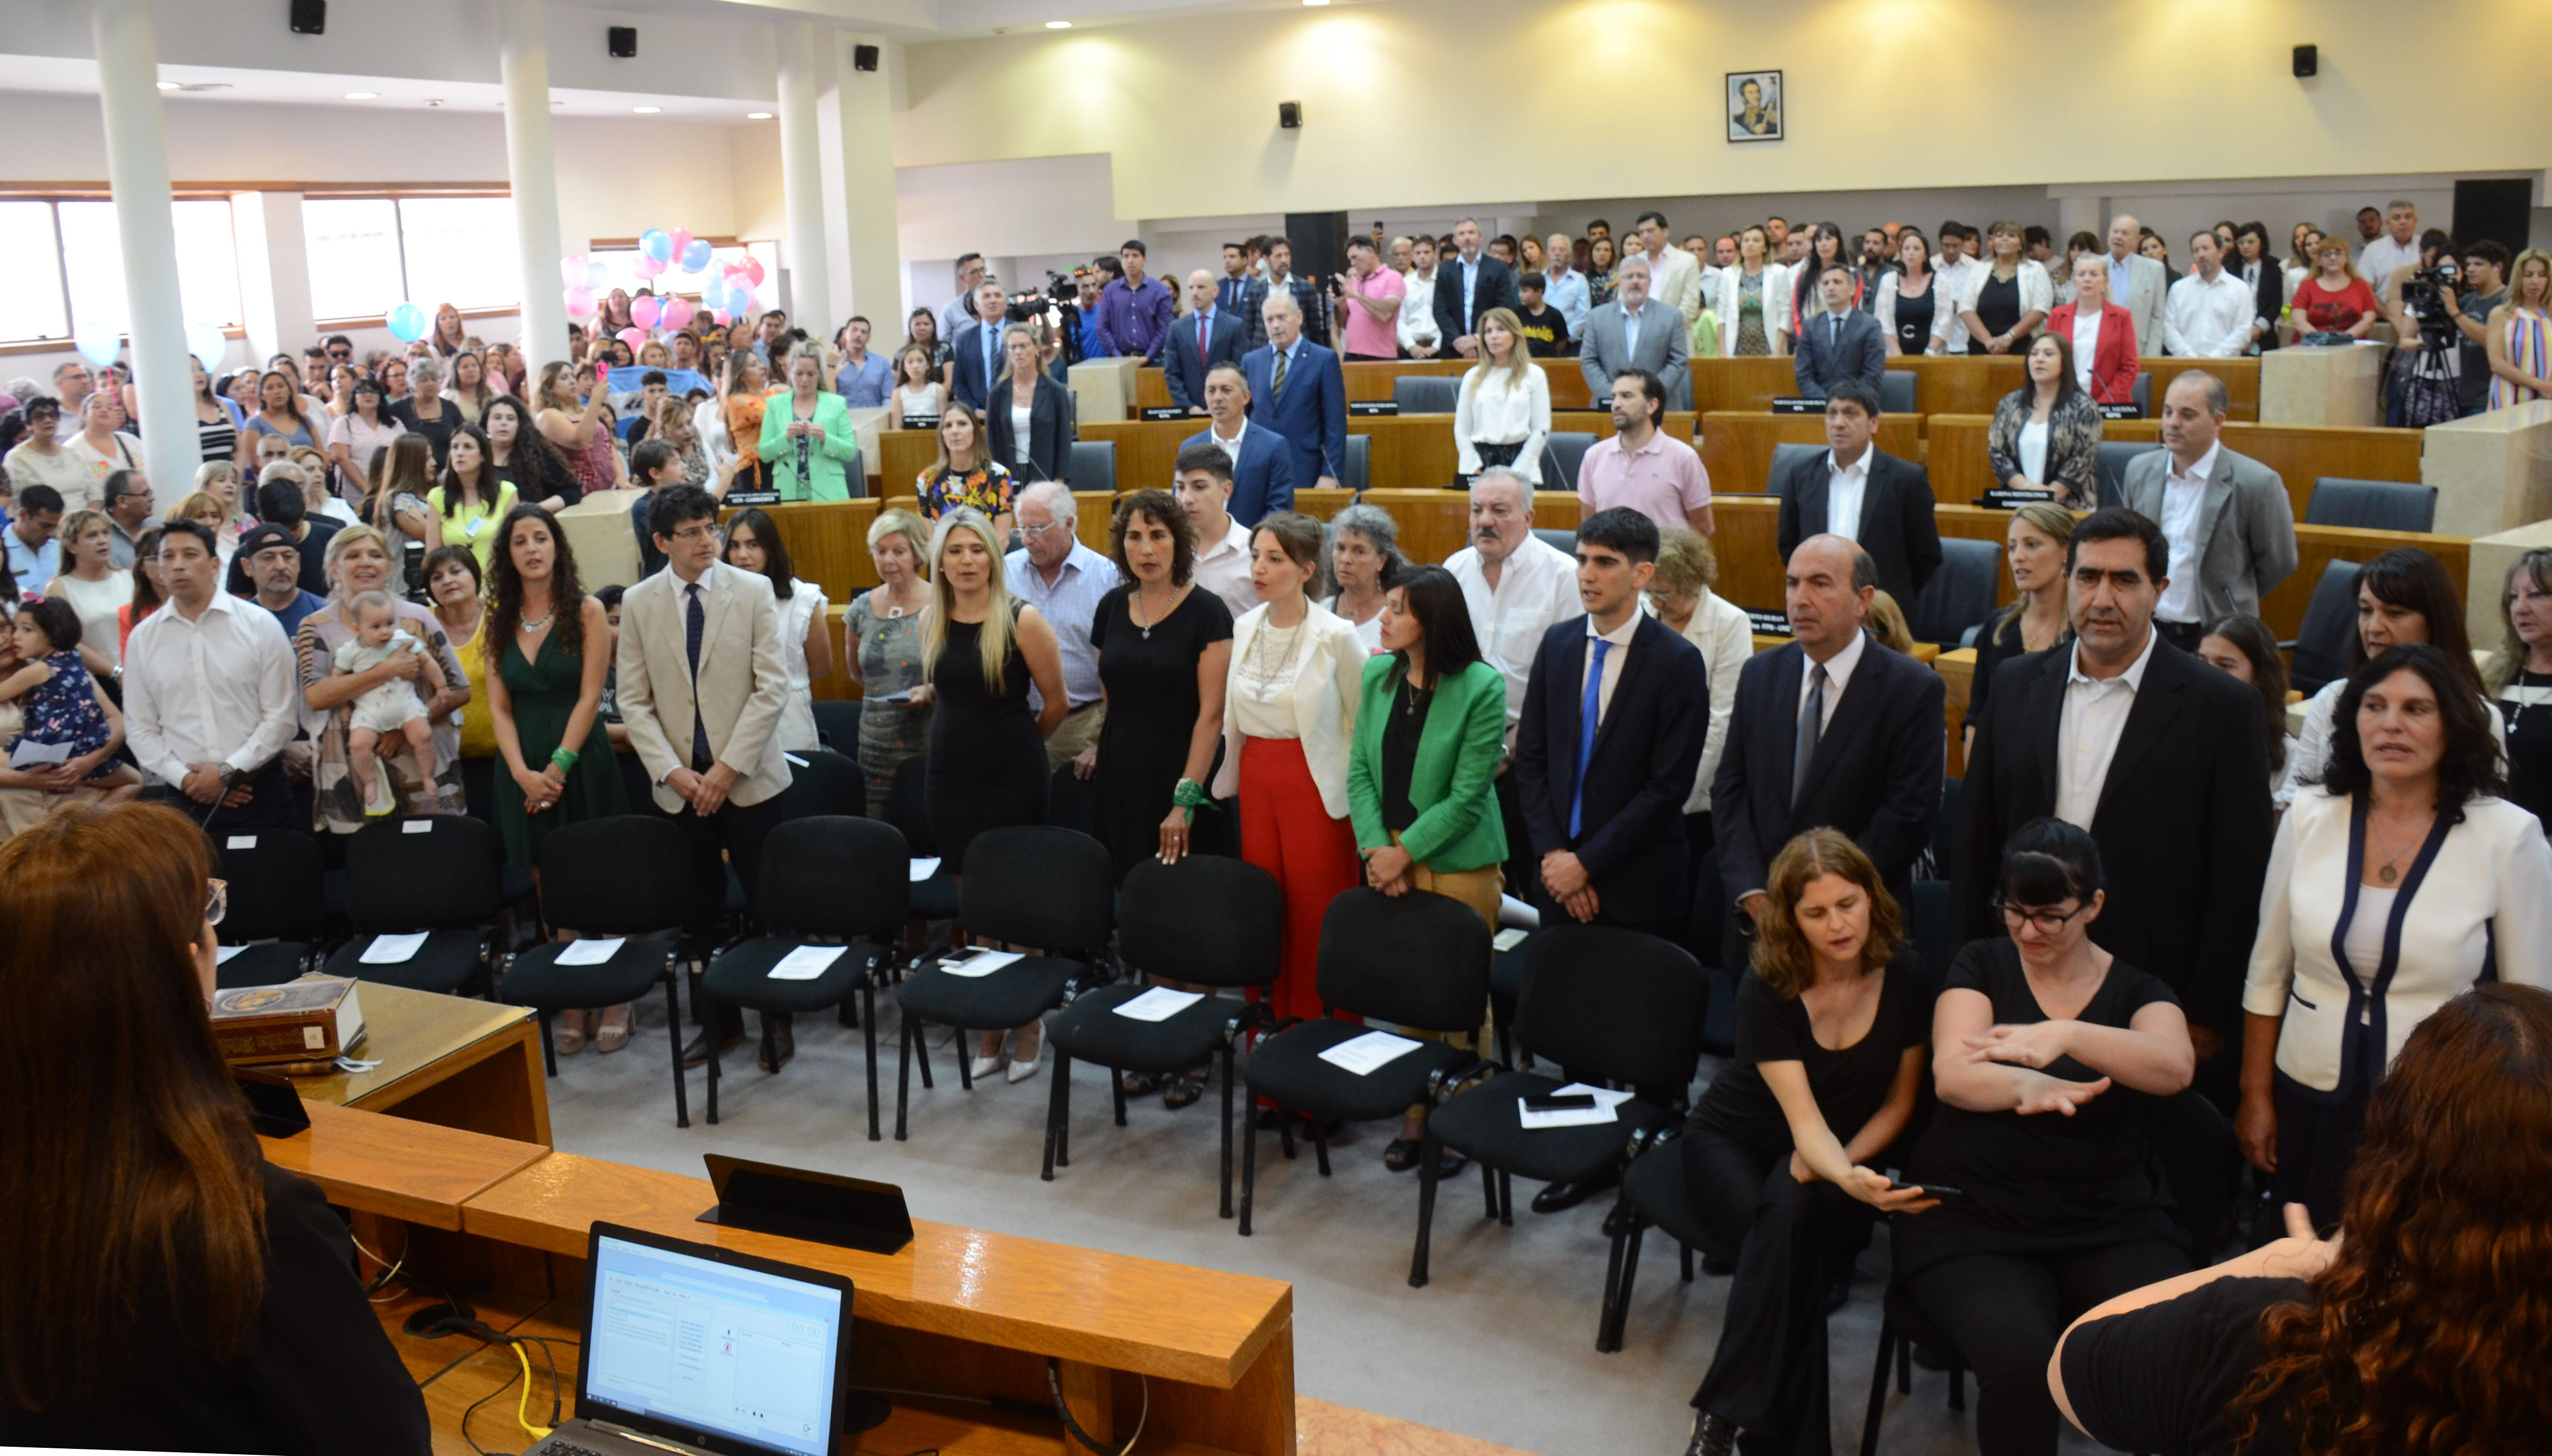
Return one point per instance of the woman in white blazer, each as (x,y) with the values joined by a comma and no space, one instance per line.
(1733,291)
(1296,672)
(1502,414)
(2396,884)
(2403,595)
(2015,280)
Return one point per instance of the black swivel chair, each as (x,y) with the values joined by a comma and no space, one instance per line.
(1607,1005)
(837,724)
(2110,469)
(2321,648)
(908,808)
(825,781)
(1896,392)
(1656,1195)
(1782,456)
(1091,464)
(1421,960)
(826,881)
(1426,394)
(627,878)
(436,874)
(277,913)
(1206,921)
(1036,886)
(1960,594)
(1562,455)
(1561,539)
(2140,394)
(1359,467)
(2372,505)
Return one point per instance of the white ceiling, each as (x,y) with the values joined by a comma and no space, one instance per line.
(71,75)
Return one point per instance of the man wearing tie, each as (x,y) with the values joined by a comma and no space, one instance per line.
(1296,390)
(701,685)
(1232,290)
(1209,335)
(975,354)
(1840,343)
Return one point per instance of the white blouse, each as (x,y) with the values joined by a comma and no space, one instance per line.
(1262,683)
(797,615)
(1726,637)
(1301,682)
(1493,410)
(1020,416)
(2033,451)
(2037,291)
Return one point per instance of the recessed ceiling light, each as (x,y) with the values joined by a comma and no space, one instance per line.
(1058,25)
(168,86)
(362,95)
(757,116)
(1316,2)
(646,110)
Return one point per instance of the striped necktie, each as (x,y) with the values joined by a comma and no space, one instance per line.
(1278,392)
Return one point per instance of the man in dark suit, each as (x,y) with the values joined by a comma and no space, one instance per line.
(2156,753)
(1296,390)
(1206,336)
(1876,501)
(1833,731)
(1467,285)
(1282,279)
(1616,713)
(975,354)
(1263,461)
(1840,342)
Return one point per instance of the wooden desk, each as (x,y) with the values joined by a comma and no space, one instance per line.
(402,1170)
(1750,383)
(470,1064)
(2299,454)
(1737,445)
(1957,671)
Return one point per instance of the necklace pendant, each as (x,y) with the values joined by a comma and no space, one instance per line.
(2388,875)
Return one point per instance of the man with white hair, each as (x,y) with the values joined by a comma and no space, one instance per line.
(1064,581)
(2137,285)
(1516,586)
(1296,390)
(1563,287)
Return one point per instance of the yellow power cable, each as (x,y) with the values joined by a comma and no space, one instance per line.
(523,1405)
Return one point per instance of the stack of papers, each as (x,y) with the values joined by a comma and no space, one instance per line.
(1607,1108)
(1160,1003)
(923,866)
(1362,1055)
(806,962)
(393,949)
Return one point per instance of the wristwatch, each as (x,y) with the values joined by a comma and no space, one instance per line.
(231,776)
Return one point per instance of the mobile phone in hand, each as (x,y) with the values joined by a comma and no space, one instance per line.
(1558,1101)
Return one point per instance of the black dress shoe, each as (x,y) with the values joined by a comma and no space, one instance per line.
(695,1052)
(1560,1195)
(1712,1436)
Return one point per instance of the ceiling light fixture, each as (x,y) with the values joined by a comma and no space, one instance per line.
(757,116)
(362,95)
(646,110)
(1058,25)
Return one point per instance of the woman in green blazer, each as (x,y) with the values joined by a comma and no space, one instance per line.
(808,409)
(1422,768)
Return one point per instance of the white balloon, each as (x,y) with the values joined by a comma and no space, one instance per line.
(97,342)
(207,343)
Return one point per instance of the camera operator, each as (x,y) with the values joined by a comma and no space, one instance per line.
(2423,388)
(2484,288)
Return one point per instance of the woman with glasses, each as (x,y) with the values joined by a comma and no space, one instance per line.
(40,460)
(2046,1053)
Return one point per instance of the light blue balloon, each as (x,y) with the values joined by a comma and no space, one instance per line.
(656,243)
(207,343)
(739,300)
(98,342)
(695,258)
(406,323)
(596,275)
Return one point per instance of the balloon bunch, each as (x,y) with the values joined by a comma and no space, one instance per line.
(661,251)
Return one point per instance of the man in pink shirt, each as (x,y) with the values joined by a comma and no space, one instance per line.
(1640,466)
(1368,300)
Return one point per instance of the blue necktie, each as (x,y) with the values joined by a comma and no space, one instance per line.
(694,626)
(1589,710)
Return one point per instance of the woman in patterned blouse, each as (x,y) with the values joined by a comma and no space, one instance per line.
(965,473)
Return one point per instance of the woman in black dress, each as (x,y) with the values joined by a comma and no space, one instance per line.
(1831,1031)
(2047,1054)
(982,647)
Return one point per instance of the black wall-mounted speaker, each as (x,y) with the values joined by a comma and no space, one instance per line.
(1289,114)
(864,57)
(309,16)
(623,41)
(2307,61)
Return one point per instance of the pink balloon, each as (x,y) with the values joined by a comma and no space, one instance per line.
(643,312)
(677,313)
(721,315)
(572,269)
(647,267)
(579,302)
(682,239)
(632,336)
(753,269)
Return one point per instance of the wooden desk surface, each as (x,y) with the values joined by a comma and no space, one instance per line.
(396,1167)
(1110,1310)
(408,1033)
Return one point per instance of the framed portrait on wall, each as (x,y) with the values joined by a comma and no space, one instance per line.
(1755,106)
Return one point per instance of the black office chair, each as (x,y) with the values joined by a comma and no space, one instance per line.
(1896,392)
(1206,921)
(1560,539)
(838,723)
(1036,886)
(824,781)
(1426,394)
(2111,466)
(1782,456)
(277,913)
(1072,801)
(826,881)
(1359,466)
(2320,647)
(1654,1195)
(2140,393)
(1560,455)
(1960,594)
(1092,465)
(435,873)
(1603,1003)
(908,808)
(2372,505)
(626,877)
(1421,960)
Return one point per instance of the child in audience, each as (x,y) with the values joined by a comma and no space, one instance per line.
(1545,329)
(62,706)
(391,708)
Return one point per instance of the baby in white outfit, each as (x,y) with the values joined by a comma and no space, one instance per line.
(389,707)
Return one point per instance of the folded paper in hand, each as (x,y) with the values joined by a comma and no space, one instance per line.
(1160,1003)
(924,868)
(1362,1055)
(32,755)
(592,951)
(806,962)
(976,962)
(1607,1108)
(393,949)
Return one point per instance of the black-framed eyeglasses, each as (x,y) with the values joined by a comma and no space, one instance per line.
(2045,922)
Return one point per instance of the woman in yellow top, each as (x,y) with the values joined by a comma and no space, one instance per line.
(808,441)
(470,498)
(745,378)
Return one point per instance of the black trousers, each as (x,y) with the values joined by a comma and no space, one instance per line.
(735,832)
(1768,1376)
(1524,866)
(271,804)
(2316,1146)
(2004,1312)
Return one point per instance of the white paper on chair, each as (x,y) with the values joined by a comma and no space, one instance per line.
(806,962)
(922,868)
(222,956)
(240,840)
(976,961)
(592,951)
(1160,1003)
(393,949)
(1607,1108)
(1508,938)
(1362,1054)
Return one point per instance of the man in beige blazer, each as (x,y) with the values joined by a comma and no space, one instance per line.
(702,684)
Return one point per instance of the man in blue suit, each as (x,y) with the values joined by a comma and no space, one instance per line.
(1206,336)
(1840,343)
(975,354)
(1262,463)
(1296,390)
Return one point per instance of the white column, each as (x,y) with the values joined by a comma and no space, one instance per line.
(531,168)
(801,179)
(137,172)
(275,273)
(862,177)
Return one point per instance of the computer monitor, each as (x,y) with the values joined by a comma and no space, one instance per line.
(714,1348)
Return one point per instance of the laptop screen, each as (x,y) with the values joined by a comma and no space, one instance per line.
(728,1352)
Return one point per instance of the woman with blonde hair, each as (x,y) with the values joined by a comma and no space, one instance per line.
(2520,678)
(965,474)
(1680,594)
(1028,422)
(2334,300)
(982,649)
(359,561)
(2033,547)
(882,652)
(1502,413)
(2520,333)
(220,479)
(206,507)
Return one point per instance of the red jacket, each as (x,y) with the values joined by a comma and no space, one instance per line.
(2113,363)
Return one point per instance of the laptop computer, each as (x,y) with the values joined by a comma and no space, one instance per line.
(693,1348)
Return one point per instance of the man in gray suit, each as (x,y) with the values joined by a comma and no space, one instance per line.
(701,685)
(2227,517)
(1634,332)
(1839,343)
(2137,283)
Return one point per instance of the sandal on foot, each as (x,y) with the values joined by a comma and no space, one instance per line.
(1402,1155)
(1139,1084)
(1184,1088)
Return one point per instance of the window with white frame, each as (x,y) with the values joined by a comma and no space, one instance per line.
(64,260)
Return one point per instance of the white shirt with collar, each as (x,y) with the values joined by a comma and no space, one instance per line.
(1846,486)
(1614,657)
(1224,568)
(1631,329)
(1231,447)
(1839,669)
(1537,590)
(217,689)
(1952,282)
(2375,265)
(1470,268)
(2206,318)
(2087,739)
(2184,497)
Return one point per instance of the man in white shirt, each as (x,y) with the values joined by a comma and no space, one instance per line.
(2210,315)
(2136,283)
(1563,287)
(1064,581)
(1419,336)
(2398,247)
(72,385)
(2229,522)
(1203,485)
(1516,586)
(1675,275)
(209,696)
(1954,273)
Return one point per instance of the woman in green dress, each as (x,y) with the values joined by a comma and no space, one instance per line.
(547,647)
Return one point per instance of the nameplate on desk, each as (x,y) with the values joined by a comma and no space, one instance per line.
(1769,624)
(1163,412)
(799,1203)
(1798,404)
(2126,411)
(1373,406)
(2000,499)
(753,497)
